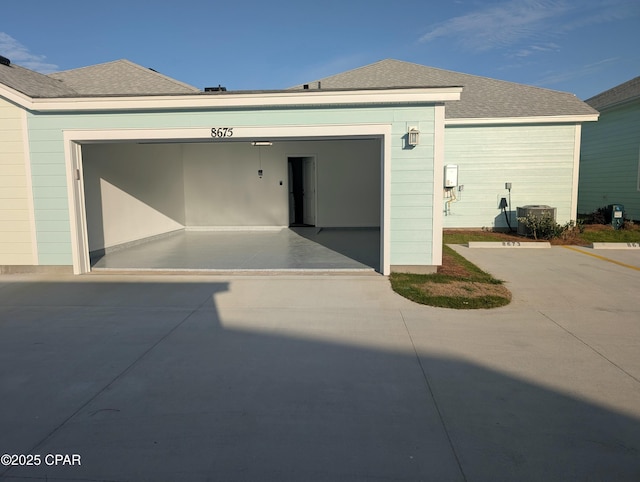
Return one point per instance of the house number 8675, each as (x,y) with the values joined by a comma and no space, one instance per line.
(221,132)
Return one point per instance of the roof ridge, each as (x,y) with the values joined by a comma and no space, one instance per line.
(86,67)
(340,73)
(492,79)
(155,72)
(615,89)
(482,96)
(464,74)
(131,64)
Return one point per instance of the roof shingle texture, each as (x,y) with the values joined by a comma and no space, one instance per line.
(33,84)
(481,97)
(121,77)
(625,92)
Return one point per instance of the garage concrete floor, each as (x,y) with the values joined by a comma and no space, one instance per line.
(300,248)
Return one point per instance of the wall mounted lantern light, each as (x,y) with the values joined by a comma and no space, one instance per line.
(413,136)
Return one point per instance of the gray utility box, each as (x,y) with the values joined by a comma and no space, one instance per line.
(537,210)
(614,214)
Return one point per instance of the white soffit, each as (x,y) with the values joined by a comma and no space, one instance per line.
(558,119)
(231,100)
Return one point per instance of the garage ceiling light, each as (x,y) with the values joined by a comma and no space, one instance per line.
(262,143)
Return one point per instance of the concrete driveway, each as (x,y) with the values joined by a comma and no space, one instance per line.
(323,377)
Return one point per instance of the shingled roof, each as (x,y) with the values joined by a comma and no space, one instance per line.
(625,92)
(481,97)
(32,84)
(120,77)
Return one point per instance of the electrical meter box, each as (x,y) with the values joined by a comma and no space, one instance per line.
(615,215)
(450,175)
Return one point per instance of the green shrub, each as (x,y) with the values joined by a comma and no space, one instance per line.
(545,227)
(540,227)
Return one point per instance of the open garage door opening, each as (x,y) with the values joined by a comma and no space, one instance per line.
(295,204)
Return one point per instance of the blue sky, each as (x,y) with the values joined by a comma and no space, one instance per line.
(578,46)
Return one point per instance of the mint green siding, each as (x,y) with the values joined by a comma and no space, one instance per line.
(411,225)
(412,220)
(609,161)
(537,159)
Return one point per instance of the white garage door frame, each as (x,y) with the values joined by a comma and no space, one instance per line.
(73,140)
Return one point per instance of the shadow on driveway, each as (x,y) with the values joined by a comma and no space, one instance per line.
(150,381)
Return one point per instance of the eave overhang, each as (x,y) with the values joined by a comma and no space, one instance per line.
(236,100)
(551,119)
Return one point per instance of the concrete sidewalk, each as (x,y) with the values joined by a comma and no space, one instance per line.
(323,377)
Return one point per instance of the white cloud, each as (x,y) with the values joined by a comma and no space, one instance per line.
(536,48)
(19,54)
(498,25)
(553,78)
(507,23)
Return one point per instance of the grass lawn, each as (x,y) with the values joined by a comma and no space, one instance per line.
(593,233)
(460,284)
(605,234)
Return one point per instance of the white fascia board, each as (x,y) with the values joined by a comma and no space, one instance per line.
(557,119)
(268,99)
(16,97)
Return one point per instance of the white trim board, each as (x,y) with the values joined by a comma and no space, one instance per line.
(237,99)
(438,182)
(557,119)
(29,180)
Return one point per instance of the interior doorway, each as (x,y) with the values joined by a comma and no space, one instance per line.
(302,191)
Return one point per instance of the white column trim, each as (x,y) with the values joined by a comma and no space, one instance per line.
(438,182)
(30,200)
(573,215)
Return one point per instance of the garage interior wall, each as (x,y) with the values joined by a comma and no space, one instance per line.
(134,191)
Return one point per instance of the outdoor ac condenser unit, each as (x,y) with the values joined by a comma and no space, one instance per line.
(537,210)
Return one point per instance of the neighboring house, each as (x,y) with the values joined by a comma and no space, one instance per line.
(114,153)
(610,157)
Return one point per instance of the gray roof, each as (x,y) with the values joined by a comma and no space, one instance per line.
(32,83)
(625,92)
(121,77)
(481,97)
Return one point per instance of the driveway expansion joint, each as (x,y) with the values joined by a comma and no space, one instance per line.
(130,367)
(601,355)
(434,400)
